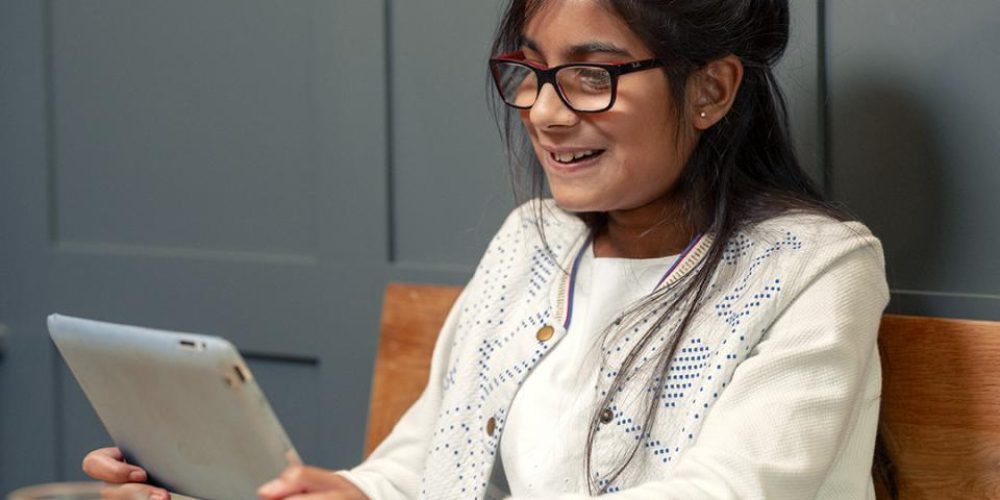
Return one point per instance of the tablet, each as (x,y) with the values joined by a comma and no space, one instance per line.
(185,407)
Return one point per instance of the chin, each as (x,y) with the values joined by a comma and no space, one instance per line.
(576,204)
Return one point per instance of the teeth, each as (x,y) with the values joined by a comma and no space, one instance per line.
(568,157)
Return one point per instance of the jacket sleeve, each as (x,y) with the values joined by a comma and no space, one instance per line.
(793,403)
(394,468)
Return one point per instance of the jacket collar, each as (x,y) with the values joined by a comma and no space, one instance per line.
(561,295)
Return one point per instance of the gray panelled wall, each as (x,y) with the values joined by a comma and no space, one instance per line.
(914,144)
(260,170)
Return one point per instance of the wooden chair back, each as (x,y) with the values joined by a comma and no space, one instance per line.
(940,397)
(941,405)
(412,316)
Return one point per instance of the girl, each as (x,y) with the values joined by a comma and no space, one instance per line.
(683,319)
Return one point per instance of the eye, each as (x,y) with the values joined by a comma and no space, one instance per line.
(591,79)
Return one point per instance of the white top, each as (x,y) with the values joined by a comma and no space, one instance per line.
(561,390)
(773,393)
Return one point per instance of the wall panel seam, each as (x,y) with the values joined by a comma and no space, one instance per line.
(823,93)
(959,295)
(180,253)
(52,219)
(51,180)
(387,26)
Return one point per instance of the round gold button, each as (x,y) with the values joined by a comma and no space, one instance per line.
(607,415)
(491,426)
(545,333)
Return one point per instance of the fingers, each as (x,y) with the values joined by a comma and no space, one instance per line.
(133,491)
(326,495)
(107,464)
(346,492)
(297,479)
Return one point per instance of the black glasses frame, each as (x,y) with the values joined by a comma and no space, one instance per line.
(548,75)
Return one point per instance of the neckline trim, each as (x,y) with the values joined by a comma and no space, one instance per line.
(695,249)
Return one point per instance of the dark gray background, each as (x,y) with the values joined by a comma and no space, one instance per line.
(259,170)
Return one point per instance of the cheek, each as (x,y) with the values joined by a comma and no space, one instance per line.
(650,153)
(651,108)
(647,136)
(524,115)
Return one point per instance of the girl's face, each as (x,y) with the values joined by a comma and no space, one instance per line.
(637,157)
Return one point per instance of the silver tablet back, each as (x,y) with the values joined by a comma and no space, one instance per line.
(183,406)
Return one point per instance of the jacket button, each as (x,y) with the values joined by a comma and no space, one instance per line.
(491,426)
(607,415)
(545,333)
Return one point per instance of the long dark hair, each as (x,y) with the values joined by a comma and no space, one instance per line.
(742,171)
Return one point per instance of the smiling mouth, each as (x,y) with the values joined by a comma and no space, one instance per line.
(575,157)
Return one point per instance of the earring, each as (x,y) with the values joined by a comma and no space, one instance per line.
(703,114)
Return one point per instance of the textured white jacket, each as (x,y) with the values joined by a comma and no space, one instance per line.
(773,392)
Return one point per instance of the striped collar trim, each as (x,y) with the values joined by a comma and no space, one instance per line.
(572,280)
(689,258)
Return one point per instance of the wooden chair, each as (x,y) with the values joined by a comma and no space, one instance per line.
(412,316)
(941,405)
(940,398)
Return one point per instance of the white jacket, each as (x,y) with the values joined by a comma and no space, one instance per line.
(773,392)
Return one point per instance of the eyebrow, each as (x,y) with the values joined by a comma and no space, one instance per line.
(583,49)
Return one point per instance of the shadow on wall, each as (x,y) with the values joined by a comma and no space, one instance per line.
(890,171)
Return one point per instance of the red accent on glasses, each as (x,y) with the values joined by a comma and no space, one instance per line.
(519,57)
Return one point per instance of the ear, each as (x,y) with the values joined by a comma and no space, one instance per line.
(712,90)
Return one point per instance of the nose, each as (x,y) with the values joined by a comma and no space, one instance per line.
(550,111)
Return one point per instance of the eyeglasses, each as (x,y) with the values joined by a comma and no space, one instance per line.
(583,87)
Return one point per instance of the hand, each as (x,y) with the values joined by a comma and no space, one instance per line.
(301,482)
(125,480)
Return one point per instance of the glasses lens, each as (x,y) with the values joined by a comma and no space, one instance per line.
(585,87)
(517,83)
